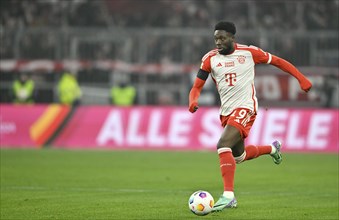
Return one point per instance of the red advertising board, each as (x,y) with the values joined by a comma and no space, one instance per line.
(169,128)
(175,128)
(15,124)
(30,125)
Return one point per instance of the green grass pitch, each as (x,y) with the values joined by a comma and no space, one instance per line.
(102,184)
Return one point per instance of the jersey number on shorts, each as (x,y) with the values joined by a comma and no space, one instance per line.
(242,116)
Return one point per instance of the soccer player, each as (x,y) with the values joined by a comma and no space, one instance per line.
(231,65)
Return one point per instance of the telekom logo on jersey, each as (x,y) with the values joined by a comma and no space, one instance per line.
(230,78)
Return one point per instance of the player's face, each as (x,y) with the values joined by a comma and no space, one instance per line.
(224,41)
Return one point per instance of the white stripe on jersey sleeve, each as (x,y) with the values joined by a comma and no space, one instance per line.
(269,58)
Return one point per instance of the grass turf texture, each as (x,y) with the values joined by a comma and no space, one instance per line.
(64,184)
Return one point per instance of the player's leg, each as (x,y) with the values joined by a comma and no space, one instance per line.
(243,120)
(229,138)
(252,151)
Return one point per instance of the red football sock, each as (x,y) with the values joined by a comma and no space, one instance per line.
(227,167)
(256,151)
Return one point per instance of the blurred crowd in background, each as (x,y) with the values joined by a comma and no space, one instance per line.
(157,31)
(282,15)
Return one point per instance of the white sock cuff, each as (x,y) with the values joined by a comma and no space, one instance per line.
(273,149)
(228,194)
(241,158)
(224,149)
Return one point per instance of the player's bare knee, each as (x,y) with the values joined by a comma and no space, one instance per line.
(219,146)
(224,143)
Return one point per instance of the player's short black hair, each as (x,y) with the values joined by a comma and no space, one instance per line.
(226,26)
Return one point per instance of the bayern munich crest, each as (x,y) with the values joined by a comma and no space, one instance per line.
(241,59)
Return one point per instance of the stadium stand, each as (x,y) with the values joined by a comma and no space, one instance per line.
(165,33)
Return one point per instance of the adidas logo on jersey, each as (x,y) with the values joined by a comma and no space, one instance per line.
(219,65)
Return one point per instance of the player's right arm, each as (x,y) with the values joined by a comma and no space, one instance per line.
(200,80)
(198,84)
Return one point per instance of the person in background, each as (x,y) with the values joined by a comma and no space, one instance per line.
(329,89)
(123,94)
(232,67)
(69,90)
(23,90)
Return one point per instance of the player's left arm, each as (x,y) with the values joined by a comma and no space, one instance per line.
(286,66)
(261,56)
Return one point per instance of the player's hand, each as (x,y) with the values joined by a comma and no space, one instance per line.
(306,85)
(193,107)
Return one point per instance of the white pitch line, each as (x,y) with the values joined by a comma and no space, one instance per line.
(41,188)
(81,189)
